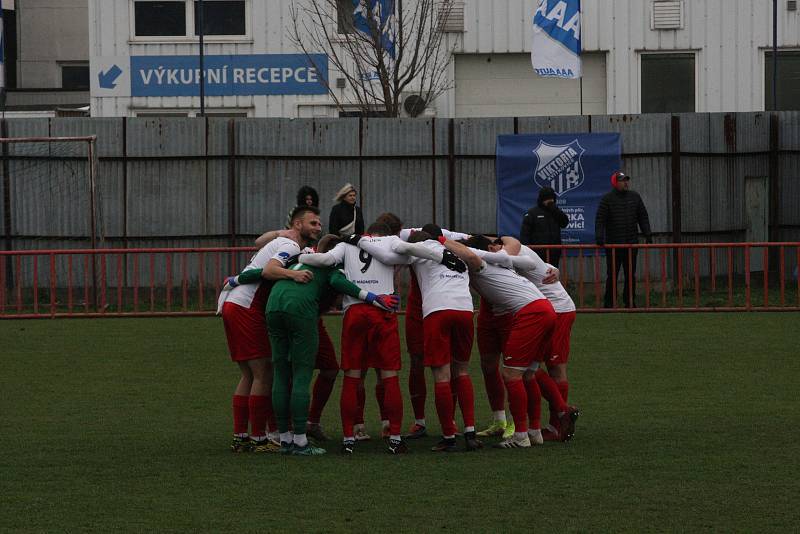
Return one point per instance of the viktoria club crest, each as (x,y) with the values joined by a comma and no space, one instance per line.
(559,166)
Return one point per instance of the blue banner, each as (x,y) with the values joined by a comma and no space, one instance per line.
(577,166)
(239,75)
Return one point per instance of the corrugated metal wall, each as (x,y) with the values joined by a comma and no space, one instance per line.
(175,182)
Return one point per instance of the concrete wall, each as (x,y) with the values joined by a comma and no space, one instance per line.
(50,32)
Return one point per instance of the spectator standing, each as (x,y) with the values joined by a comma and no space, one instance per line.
(620,212)
(542,225)
(346,218)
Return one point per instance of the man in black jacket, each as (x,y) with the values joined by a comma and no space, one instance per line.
(618,215)
(542,225)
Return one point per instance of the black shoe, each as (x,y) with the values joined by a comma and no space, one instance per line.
(445,445)
(397,446)
(417,431)
(472,443)
(348,447)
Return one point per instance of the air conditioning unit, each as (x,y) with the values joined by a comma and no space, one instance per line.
(412,104)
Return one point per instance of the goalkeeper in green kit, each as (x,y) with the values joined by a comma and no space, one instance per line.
(292,313)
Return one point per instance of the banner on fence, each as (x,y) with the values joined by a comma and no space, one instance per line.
(576,166)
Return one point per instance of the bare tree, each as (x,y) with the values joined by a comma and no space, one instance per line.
(392,55)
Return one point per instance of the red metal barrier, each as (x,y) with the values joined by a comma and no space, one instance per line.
(150,282)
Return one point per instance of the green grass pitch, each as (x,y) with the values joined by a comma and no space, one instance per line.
(690,423)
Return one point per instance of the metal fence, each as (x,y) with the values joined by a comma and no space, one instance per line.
(180,281)
(210,182)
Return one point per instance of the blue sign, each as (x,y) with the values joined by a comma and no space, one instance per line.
(239,75)
(377,14)
(577,166)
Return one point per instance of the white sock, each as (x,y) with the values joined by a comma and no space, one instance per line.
(420,422)
(534,431)
(258,439)
(274,435)
(244,435)
(469,429)
(499,415)
(359,426)
(385,423)
(450,437)
(394,438)
(286,437)
(300,440)
(520,435)
(349,440)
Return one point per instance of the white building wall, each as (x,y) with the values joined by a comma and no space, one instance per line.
(729,38)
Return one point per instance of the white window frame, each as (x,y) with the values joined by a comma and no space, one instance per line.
(697,58)
(190,37)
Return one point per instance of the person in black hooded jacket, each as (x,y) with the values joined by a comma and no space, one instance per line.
(542,225)
(618,215)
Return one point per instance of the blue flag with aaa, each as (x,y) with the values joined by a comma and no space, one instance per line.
(376,16)
(577,166)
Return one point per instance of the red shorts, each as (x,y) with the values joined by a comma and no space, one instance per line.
(246,331)
(370,339)
(493,330)
(559,347)
(415,341)
(529,340)
(326,354)
(448,336)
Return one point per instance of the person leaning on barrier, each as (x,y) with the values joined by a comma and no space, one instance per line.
(542,225)
(620,212)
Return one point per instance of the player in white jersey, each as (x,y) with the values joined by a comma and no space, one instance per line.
(242,308)
(529,320)
(558,354)
(447,327)
(370,336)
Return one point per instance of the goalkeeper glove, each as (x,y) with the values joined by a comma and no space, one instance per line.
(384,302)
(453,262)
(230,283)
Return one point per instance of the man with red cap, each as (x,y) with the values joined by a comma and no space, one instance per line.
(620,212)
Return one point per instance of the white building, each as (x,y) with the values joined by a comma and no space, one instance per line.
(639,56)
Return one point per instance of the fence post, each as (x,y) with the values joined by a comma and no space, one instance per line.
(6,202)
(232,182)
(451,173)
(774,185)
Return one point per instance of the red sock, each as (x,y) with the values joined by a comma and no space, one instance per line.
(518,404)
(393,404)
(563,388)
(362,401)
(495,390)
(550,391)
(379,396)
(258,415)
(418,391)
(319,397)
(241,413)
(348,404)
(444,407)
(466,399)
(534,404)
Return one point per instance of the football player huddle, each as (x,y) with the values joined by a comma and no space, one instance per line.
(271,314)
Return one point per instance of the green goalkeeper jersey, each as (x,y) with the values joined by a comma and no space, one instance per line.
(303,299)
